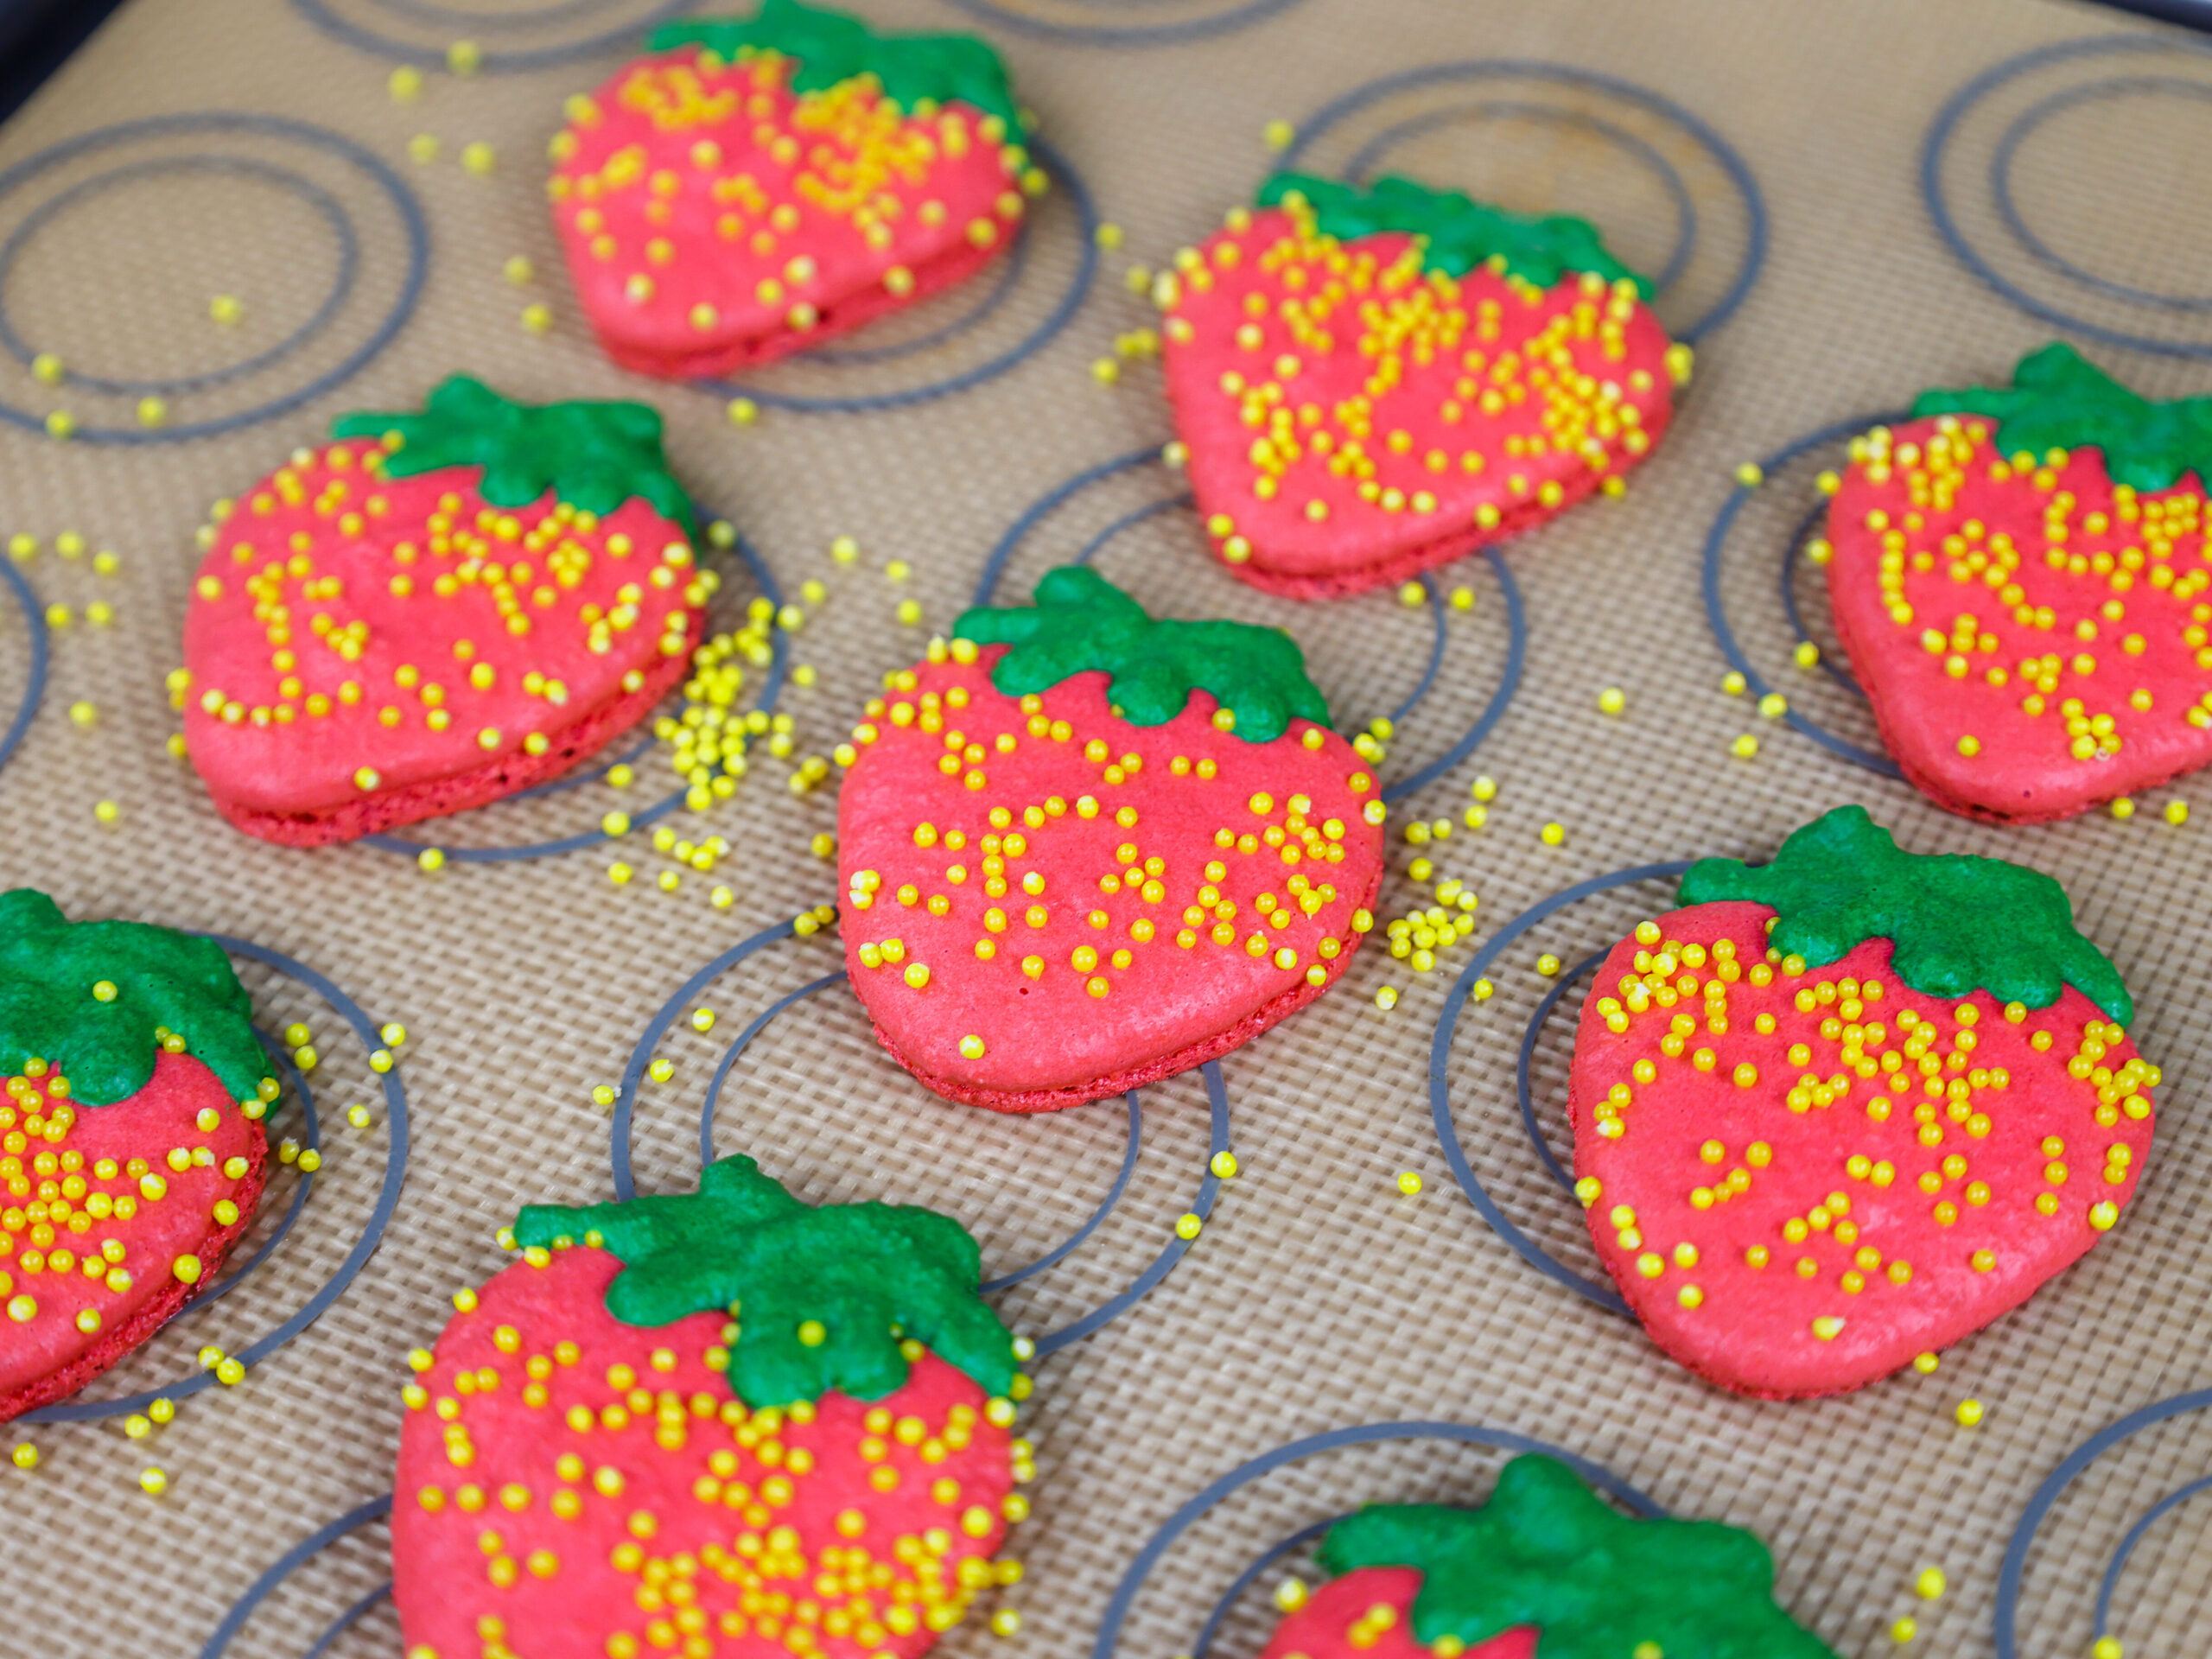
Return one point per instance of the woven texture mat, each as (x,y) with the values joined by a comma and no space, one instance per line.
(1317,1297)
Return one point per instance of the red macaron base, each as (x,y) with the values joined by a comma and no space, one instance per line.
(1029,1101)
(480,786)
(152,1315)
(854,311)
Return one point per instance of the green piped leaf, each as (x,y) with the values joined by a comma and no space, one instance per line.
(831,47)
(2060,400)
(1081,622)
(1959,923)
(593,456)
(844,1273)
(49,1009)
(1460,231)
(1547,1551)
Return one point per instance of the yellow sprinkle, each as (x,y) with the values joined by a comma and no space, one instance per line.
(479,158)
(1279,135)
(423,148)
(404,84)
(24,1456)
(1548,965)
(1749,475)
(430,860)
(1968,1412)
(225,308)
(2123,809)
(464,57)
(1106,372)
(1733,684)
(60,423)
(83,713)
(1412,594)
(1929,1585)
(1223,1164)
(1553,835)
(153,1482)
(1484,788)
(1188,1225)
(1969,746)
(47,369)
(106,811)
(537,318)
(2107,1647)
(1107,236)
(1386,998)
(1744,746)
(1611,700)
(152,411)
(1904,1630)
(1808,655)
(743,411)
(2177,812)
(1409,1183)
(1773,706)
(518,269)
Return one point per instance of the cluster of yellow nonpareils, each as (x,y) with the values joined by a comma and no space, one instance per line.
(51,1265)
(2061,654)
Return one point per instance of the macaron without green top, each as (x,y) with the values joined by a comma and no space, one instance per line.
(1371,381)
(726,1424)
(754,187)
(1842,1110)
(2018,576)
(1545,1570)
(131,1153)
(1084,850)
(435,610)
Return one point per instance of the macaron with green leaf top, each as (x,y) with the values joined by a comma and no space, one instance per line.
(1546,1569)
(1840,1112)
(756,187)
(435,610)
(2018,576)
(725,1423)
(131,1151)
(1084,850)
(1372,380)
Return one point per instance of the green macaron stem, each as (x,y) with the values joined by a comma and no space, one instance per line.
(830,48)
(92,999)
(2060,400)
(1081,622)
(593,455)
(823,1296)
(1457,232)
(1546,1553)
(1959,923)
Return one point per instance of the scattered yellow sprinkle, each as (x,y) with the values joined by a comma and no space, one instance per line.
(24,1456)
(743,411)
(1409,1183)
(1929,1585)
(1553,835)
(1279,135)
(518,269)
(1744,746)
(1106,372)
(1773,706)
(106,811)
(47,369)
(1188,1226)
(1611,700)
(1926,1363)
(537,317)
(153,1481)
(1904,1630)
(225,308)
(2123,809)
(1968,1412)
(404,84)
(422,148)
(1107,236)
(479,158)
(2177,812)
(464,57)
(1750,475)
(1808,655)
(1386,997)
(430,860)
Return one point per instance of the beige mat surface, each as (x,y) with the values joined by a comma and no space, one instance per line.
(1318,1296)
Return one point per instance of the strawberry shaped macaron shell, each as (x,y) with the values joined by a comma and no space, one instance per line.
(433,610)
(1843,1109)
(1545,1568)
(2019,578)
(131,1153)
(1084,850)
(724,1425)
(756,187)
(1372,382)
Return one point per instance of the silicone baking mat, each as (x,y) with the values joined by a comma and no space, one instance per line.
(1849,202)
